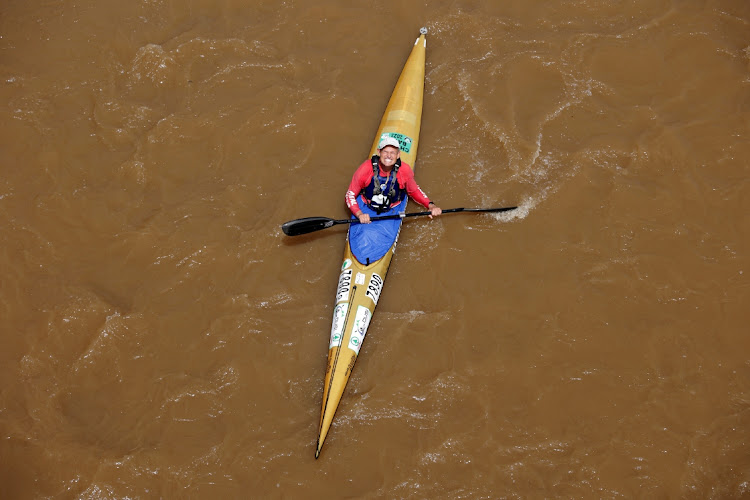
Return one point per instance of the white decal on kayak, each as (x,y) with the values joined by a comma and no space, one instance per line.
(347,264)
(337,328)
(374,288)
(361,322)
(360,279)
(345,283)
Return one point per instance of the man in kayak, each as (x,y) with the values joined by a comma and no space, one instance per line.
(383,182)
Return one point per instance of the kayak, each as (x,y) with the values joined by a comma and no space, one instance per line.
(370,247)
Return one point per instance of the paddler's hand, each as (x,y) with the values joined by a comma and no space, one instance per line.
(434,210)
(363,218)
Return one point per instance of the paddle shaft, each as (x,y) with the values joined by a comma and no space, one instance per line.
(311,224)
(419,214)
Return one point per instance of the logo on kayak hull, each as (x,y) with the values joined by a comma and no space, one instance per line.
(404,141)
(337,328)
(361,322)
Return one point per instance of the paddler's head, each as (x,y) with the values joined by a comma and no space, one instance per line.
(389,151)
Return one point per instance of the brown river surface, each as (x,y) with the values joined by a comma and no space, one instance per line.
(162,338)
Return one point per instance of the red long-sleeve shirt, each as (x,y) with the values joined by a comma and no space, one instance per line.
(363,175)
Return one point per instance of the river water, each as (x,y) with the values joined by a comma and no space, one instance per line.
(162,338)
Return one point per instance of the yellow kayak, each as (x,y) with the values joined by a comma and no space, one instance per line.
(360,284)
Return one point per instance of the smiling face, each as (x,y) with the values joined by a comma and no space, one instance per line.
(388,157)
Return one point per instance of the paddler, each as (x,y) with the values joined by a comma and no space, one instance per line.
(382,182)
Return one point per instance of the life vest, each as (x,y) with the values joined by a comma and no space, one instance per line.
(382,192)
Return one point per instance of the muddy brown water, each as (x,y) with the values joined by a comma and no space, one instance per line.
(161,338)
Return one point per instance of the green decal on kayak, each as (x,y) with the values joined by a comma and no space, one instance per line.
(403,141)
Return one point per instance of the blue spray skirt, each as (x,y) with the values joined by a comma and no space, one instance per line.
(372,241)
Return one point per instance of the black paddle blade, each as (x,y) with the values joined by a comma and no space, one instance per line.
(306,225)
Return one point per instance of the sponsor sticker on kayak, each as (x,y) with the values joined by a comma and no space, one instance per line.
(347,264)
(337,328)
(345,284)
(404,141)
(360,279)
(361,322)
(374,288)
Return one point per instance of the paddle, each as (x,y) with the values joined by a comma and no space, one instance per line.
(312,224)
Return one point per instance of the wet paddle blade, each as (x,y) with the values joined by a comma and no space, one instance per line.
(306,225)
